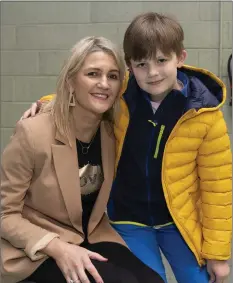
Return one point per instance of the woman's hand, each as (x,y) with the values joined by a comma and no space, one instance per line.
(31,112)
(73,261)
(218,270)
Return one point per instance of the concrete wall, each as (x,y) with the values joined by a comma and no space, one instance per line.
(35,38)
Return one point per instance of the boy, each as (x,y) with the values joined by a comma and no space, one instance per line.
(173,181)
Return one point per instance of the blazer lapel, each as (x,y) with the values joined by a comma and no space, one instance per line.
(108,162)
(66,167)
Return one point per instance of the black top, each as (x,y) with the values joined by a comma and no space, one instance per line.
(91,176)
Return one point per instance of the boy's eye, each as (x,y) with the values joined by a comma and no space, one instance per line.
(141,65)
(162,60)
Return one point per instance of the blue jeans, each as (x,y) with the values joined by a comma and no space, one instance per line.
(145,243)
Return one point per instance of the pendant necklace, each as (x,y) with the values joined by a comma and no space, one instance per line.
(86,148)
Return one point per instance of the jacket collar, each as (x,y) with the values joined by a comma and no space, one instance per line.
(202,88)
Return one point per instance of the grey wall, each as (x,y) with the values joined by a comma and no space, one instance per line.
(35,38)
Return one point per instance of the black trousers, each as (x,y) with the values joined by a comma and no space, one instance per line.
(122,267)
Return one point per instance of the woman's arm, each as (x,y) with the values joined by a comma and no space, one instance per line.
(16,175)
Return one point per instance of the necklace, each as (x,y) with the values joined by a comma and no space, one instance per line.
(86,148)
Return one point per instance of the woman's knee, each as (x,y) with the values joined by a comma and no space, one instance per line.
(112,273)
(127,277)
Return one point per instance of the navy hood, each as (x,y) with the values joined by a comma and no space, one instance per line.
(205,89)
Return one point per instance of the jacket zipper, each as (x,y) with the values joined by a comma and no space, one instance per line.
(147,171)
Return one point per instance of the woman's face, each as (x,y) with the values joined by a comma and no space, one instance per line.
(97,83)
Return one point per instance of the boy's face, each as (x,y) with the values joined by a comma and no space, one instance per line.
(158,75)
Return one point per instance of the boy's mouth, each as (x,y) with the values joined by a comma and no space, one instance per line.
(155,82)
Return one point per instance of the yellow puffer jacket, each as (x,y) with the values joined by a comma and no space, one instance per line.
(196,176)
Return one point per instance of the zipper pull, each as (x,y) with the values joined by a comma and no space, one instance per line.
(162,128)
(153,123)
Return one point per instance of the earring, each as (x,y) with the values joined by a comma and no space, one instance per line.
(71,99)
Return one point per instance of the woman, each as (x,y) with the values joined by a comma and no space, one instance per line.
(56,177)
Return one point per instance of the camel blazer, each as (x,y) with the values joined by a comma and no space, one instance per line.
(40,195)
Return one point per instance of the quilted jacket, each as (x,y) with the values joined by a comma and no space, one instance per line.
(196,170)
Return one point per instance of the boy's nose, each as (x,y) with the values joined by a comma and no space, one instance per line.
(153,71)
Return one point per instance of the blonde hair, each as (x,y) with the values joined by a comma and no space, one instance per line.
(59,106)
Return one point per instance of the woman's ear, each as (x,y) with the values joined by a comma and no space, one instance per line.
(70,85)
(182,58)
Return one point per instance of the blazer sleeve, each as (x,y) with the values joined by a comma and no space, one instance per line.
(215,174)
(17,168)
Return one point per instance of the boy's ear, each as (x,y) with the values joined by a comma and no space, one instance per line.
(182,58)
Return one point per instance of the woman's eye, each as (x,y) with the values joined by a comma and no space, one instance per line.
(113,77)
(92,74)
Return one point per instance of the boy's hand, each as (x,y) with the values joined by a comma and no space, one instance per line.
(218,270)
(31,112)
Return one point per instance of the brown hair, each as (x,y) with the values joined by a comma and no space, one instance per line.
(150,32)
